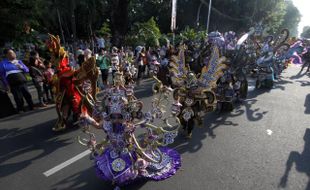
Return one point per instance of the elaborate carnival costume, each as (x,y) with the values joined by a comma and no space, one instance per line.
(268,64)
(129,70)
(74,90)
(306,56)
(122,158)
(195,93)
(224,88)
(233,85)
(295,52)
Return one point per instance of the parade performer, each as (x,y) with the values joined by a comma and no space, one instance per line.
(295,52)
(195,92)
(122,157)
(233,85)
(306,57)
(128,69)
(268,69)
(225,91)
(154,66)
(74,90)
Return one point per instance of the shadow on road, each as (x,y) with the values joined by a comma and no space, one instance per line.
(307,104)
(25,114)
(88,180)
(304,82)
(15,143)
(299,75)
(301,161)
(211,122)
(280,84)
(253,114)
(214,120)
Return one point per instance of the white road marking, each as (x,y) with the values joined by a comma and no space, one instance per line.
(66,163)
(269,132)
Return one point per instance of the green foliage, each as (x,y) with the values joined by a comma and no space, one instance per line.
(24,38)
(146,33)
(188,33)
(191,34)
(275,16)
(13,15)
(104,30)
(291,19)
(82,17)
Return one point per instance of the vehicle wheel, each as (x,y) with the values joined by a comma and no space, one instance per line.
(244,89)
(257,84)
(269,83)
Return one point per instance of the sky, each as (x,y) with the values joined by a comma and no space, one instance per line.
(303,6)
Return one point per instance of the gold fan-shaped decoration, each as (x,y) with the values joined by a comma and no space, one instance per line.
(214,70)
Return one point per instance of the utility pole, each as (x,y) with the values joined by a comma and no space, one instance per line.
(198,14)
(209,13)
(173,19)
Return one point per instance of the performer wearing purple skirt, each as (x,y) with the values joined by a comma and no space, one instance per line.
(122,158)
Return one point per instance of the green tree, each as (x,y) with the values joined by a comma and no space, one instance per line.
(145,33)
(291,18)
(14,14)
(80,18)
(105,29)
(306,32)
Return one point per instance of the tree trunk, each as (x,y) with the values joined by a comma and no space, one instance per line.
(60,26)
(119,20)
(92,43)
(73,25)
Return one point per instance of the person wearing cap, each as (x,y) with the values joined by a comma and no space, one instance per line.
(12,72)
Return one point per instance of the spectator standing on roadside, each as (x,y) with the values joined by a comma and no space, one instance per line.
(48,82)
(36,72)
(100,42)
(12,72)
(115,62)
(7,107)
(141,62)
(103,62)
(80,57)
(150,55)
(72,62)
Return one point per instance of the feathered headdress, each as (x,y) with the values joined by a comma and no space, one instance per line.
(178,68)
(59,54)
(214,70)
(55,47)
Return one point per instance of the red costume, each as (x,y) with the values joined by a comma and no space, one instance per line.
(70,94)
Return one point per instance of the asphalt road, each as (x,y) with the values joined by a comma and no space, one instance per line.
(263,144)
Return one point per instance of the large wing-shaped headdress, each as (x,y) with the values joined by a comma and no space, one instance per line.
(178,68)
(214,70)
